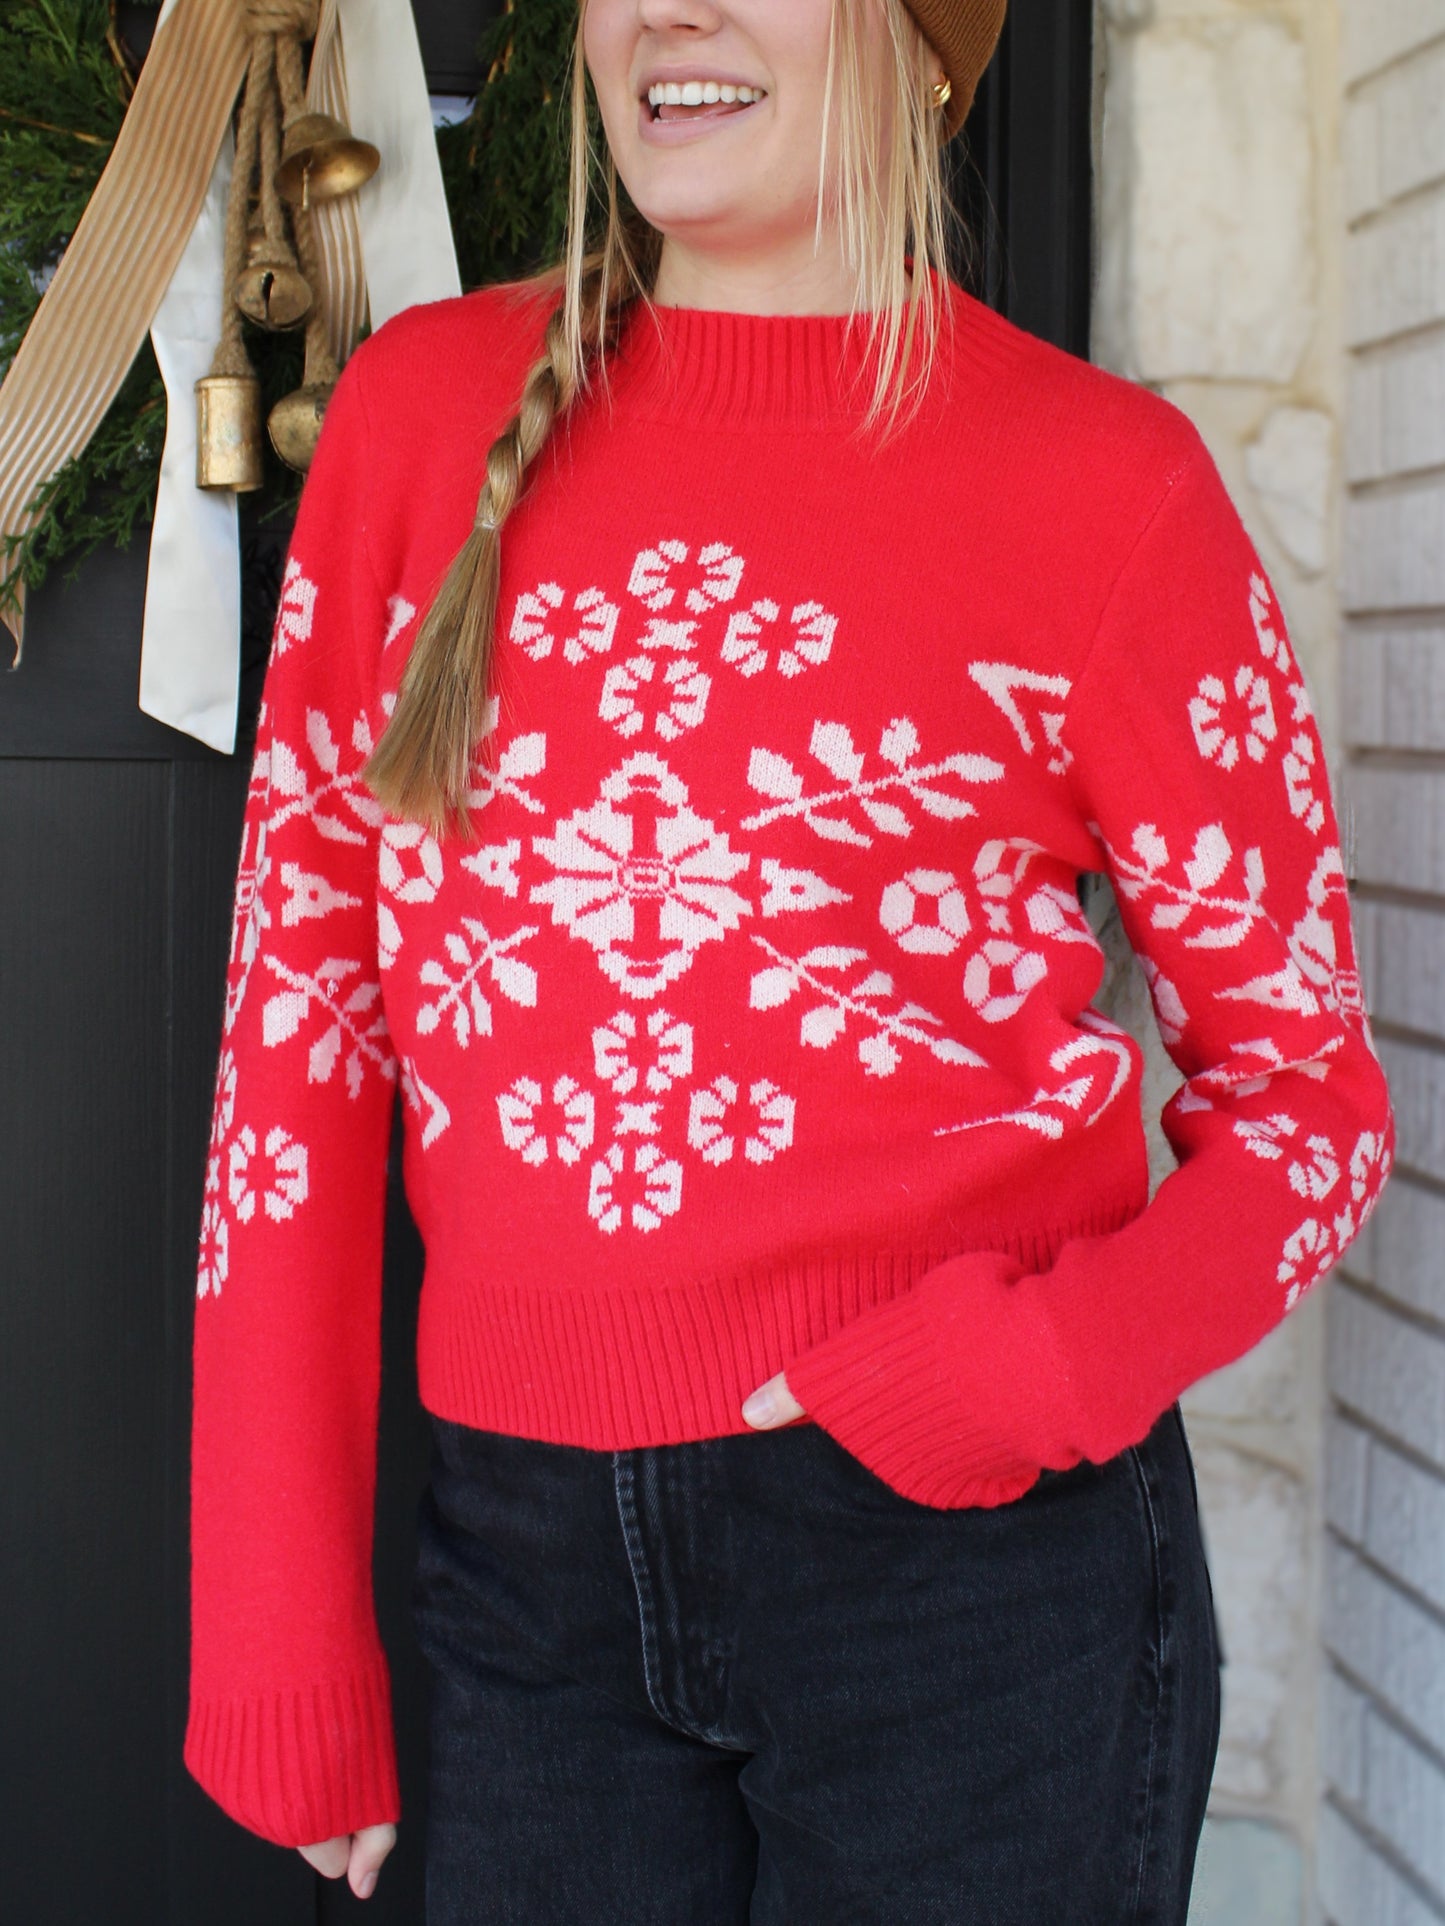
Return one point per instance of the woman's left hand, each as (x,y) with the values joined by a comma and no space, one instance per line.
(772,1404)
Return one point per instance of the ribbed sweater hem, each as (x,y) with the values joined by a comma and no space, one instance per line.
(662,1364)
(300,1764)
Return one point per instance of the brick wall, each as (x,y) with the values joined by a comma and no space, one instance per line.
(1381,1848)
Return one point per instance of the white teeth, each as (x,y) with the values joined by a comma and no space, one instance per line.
(697,93)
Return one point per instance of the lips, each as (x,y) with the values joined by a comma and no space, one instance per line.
(709,110)
(671,124)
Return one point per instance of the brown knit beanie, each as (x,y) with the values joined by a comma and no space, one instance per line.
(963,33)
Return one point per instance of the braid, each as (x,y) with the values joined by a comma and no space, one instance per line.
(421,766)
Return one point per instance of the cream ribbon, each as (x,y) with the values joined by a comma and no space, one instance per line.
(406,233)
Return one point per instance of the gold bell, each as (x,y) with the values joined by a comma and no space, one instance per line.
(270,289)
(294,424)
(322,159)
(228,432)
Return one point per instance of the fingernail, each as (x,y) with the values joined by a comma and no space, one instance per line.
(758,1408)
(368,1883)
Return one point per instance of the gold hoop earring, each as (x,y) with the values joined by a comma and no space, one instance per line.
(941,91)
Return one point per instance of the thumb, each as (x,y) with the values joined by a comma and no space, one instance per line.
(359,1855)
(369,1848)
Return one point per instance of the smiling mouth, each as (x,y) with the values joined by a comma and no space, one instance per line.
(725,103)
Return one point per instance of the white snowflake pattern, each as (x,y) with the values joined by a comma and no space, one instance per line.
(880,799)
(1094,1069)
(999,976)
(496,865)
(471,951)
(310,895)
(296,610)
(1315,1176)
(1321,936)
(1264,1137)
(680,589)
(1011,688)
(281,1188)
(251,916)
(1299,782)
(1196,897)
(213,1265)
(1272,644)
(1303,778)
(645,1066)
(684,684)
(642,878)
(870,1001)
(317,787)
(709,1112)
(536,1131)
(399,613)
(223,1109)
(946,923)
(1312,1247)
(657,1055)
(238,1173)
(524,757)
(532,627)
(353,1021)
(408,869)
(642,1193)
(1223,724)
(810,645)
(1169,1011)
(653,579)
(425,1102)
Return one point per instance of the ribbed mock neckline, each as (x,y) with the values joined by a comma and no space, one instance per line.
(687,364)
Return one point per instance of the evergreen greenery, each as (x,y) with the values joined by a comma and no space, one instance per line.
(66,77)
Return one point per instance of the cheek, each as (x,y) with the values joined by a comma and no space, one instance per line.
(607,51)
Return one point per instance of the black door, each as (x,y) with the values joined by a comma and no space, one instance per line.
(118,848)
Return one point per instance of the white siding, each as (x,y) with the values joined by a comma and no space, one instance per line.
(1382,1840)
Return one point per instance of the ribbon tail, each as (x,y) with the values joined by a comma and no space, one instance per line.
(406,232)
(191,629)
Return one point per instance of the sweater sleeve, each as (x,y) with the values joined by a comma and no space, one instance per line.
(1199,771)
(289,1725)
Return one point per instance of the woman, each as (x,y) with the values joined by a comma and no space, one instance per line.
(702,677)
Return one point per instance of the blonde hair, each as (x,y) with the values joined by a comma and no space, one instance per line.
(890,200)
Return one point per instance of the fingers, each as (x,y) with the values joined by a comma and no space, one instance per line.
(772,1404)
(368,1848)
(359,1855)
(330,1856)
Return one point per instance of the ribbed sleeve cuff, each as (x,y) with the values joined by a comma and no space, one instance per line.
(955,1393)
(302,1765)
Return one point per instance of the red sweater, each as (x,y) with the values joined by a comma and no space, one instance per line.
(752,1031)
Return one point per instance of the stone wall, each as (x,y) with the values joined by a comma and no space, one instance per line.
(1382,1832)
(1219,273)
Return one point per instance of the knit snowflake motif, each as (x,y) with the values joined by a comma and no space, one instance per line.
(635,1112)
(1316,1242)
(246,1170)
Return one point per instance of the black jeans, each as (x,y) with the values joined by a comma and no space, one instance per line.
(742,1679)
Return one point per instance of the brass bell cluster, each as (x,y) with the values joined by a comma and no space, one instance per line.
(287,159)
